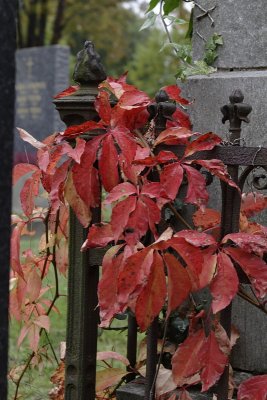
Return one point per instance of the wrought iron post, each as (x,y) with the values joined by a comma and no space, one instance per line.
(236,112)
(7,106)
(82,319)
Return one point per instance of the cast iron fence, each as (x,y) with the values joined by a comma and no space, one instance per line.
(83,318)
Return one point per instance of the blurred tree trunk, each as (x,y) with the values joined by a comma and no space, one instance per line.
(58,22)
(42,22)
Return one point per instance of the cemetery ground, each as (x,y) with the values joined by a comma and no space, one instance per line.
(36,383)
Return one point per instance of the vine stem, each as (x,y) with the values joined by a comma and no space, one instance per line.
(250,300)
(152,390)
(56,296)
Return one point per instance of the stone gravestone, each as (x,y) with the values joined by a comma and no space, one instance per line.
(42,72)
(242,64)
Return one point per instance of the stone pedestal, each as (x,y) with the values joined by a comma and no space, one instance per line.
(242,64)
(42,72)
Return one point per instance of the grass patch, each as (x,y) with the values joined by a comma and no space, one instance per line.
(36,383)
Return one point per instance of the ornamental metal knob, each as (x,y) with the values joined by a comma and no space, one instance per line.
(88,69)
(161,110)
(236,112)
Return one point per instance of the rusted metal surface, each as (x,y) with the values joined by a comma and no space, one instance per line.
(7,106)
(132,341)
(83,275)
(236,112)
(152,358)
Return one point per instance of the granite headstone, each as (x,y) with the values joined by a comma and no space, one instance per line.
(42,72)
(242,64)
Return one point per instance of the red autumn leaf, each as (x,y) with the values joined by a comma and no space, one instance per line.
(252,203)
(213,362)
(206,219)
(134,275)
(217,168)
(98,236)
(154,214)
(106,355)
(122,189)
(57,187)
(108,164)
(107,287)
(196,192)
(30,139)
(161,158)
(76,130)
(179,284)
(126,142)
(29,192)
(121,214)
(117,86)
(62,259)
(42,321)
(209,267)
(70,90)
(186,361)
(34,284)
(192,256)
(85,176)
(223,340)
(254,388)
(133,99)
(179,118)
(15,248)
(174,135)
(249,243)
(75,152)
(198,239)
(174,92)
(225,284)
(253,266)
(152,297)
(108,377)
(138,224)
(21,170)
(203,142)
(79,207)
(103,107)
(171,179)
(151,189)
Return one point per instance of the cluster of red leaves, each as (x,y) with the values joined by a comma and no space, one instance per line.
(140,180)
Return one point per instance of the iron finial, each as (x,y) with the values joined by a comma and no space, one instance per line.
(236,112)
(161,110)
(88,68)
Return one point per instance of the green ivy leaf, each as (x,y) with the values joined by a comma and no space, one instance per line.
(170,5)
(189,32)
(197,68)
(178,21)
(152,5)
(150,21)
(211,48)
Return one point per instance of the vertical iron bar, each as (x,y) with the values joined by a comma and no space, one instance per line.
(83,318)
(236,112)
(7,106)
(82,323)
(132,340)
(152,357)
